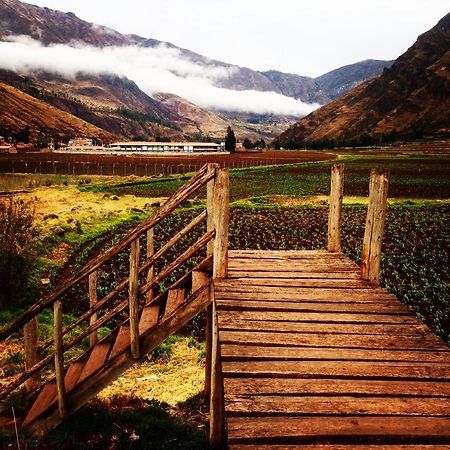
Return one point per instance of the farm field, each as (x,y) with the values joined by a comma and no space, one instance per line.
(410,177)
(282,207)
(138,165)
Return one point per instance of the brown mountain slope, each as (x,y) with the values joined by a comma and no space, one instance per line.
(198,121)
(20,109)
(409,100)
(109,102)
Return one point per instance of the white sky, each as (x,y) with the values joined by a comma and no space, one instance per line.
(304,37)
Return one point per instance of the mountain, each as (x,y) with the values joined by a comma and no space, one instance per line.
(109,102)
(201,123)
(409,100)
(19,110)
(121,108)
(340,81)
(55,27)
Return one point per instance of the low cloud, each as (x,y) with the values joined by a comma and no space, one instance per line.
(158,69)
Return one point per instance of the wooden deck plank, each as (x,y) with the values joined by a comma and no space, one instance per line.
(321,339)
(301,327)
(241,352)
(295,316)
(315,357)
(334,308)
(317,283)
(256,429)
(244,405)
(381,307)
(334,386)
(379,370)
(309,294)
(315,274)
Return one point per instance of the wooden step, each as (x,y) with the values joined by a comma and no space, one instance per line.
(122,341)
(47,396)
(45,399)
(175,298)
(73,374)
(199,279)
(96,359)
(149,318)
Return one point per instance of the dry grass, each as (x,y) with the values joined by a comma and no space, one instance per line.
(89,208)
(173,380)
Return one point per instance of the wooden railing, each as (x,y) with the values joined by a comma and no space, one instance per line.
(130,295)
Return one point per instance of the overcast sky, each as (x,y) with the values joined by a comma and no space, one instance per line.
(303,37)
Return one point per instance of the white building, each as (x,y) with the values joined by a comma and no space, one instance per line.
(157,147)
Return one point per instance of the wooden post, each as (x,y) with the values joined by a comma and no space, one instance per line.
(221,200)
(335,212)
(209,309)
(150,253)
(221,219)
(133,299)
(373,235)
(59,360)
(93,337)
(31,343)
(216,406)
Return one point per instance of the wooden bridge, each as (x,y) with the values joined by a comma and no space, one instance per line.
(304,349)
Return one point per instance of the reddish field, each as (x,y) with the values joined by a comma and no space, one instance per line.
(83,164)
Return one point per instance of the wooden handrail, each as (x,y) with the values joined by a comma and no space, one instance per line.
(123,284)
(209,173)
(197,182)
(206,264)
(191,251)
(161,276)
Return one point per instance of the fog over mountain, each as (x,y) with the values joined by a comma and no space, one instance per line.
(75,65)
(153,69)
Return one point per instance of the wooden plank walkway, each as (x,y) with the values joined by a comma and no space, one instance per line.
(314,357)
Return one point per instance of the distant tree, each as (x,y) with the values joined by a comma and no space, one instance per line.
(230,140)
(260,144)
(161,138)
(248,144)
(24,135)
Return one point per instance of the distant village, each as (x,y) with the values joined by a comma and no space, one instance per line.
(19,147)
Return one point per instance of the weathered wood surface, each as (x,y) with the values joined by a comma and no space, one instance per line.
(133,299)
(313,356)
(373,234)
(335,211)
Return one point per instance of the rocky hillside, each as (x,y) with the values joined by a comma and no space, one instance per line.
(410,100)
(340,81)
(20,109)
